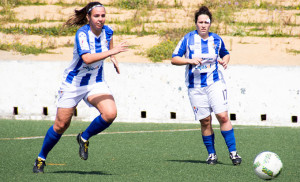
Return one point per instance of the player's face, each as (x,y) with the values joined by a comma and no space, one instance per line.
(97,18)
(203,25)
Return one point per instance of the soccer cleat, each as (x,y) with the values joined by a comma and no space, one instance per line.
(39,165)
(236,159)
(212,159)
(83,147)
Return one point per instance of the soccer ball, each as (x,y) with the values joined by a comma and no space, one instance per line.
(267,165)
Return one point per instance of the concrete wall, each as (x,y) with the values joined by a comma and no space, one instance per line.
(155,89)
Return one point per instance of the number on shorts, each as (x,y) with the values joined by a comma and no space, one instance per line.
(225,94)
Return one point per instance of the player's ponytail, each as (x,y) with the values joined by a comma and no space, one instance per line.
(79,17)
(203,10)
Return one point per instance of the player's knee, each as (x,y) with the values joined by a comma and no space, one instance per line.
(60,127)
(223,118)
(109,116)
(205,122)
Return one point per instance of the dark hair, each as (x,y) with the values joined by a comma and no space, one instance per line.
(79,17)
(203,10)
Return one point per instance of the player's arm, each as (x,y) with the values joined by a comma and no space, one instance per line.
(224,61)
(179,52)
(224,54)
(113,58)
(183,61)
(89,58)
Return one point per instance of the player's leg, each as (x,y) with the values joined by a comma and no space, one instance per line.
(62,122)
(108,111)
(218,101)
(227,130)
(105,103)
(208,138)
(228,135)
(202,111)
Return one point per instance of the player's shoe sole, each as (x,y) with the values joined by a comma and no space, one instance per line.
(38,166)
(83,147)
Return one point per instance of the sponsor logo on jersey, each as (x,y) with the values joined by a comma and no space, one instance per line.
(202,67)
(90,68)
(207,59)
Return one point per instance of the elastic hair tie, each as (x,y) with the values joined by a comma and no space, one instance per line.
(98,5)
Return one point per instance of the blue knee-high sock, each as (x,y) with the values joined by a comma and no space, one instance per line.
(229,139)
(209,142)
(96,126)
(50,140)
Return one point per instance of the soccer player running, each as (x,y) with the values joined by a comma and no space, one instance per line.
(203,51)
(84,79)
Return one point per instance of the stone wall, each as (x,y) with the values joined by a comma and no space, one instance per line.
(258,95)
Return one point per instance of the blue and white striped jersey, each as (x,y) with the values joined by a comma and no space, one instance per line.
(78,73)
(209,50)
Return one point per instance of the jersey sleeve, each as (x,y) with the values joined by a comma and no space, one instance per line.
(223,51)
(109,34)
(82,42)
(180,49)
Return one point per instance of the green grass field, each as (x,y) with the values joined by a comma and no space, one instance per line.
(143,152)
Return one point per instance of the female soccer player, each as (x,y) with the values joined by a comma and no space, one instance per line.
(203,51)
(83,79)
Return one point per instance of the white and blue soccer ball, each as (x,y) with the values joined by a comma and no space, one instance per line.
(267,165)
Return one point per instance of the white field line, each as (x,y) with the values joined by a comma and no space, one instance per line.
(123,132)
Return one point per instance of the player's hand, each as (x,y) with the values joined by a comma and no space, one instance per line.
(120,48)
(195,61)
(223,63)
(116,64)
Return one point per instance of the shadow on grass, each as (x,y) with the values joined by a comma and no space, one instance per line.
(82,172)
(194,161)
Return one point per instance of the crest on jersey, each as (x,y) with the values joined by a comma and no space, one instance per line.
(214,45)
(195,109)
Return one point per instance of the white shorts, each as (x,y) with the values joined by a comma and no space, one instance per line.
(69,95)
(206,100)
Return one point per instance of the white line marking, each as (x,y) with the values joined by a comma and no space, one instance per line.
(123,132)
(103,133)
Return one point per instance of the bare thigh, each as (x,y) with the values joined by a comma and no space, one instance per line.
(105,104)
(63,119)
